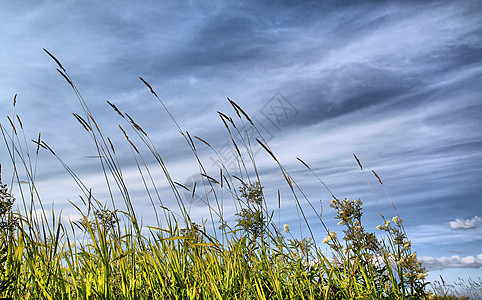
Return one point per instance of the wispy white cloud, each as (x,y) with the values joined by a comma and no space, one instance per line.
(465,223)
(440,234)
(455,261)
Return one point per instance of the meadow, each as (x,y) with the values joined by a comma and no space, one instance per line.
(108,255)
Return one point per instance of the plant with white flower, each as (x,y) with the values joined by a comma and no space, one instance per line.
(330,237)
(397,220)
(286,228)
(350,214)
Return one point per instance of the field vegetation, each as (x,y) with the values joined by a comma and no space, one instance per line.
(109,254)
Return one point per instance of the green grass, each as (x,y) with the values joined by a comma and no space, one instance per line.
(109,255)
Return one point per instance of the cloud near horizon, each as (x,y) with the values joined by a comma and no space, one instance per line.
(465,223)
(455,261)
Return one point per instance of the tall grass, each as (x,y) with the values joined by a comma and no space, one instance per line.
(109,254)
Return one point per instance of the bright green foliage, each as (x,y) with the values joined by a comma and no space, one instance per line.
(7,220)
(8,223)
(252,219)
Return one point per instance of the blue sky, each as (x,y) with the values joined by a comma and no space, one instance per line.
(396,83)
